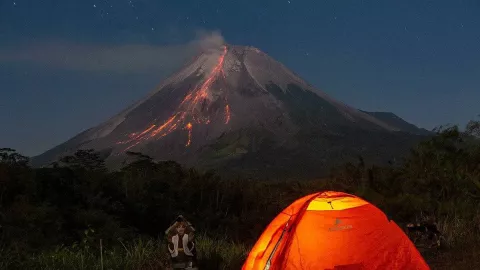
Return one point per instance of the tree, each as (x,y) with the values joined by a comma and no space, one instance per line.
(84,159)
(11,157)
(473,128)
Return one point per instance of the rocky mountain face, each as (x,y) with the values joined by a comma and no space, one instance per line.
(236,109)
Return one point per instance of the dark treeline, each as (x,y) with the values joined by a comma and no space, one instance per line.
(77,201)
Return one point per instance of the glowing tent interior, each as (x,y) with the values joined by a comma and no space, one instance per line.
(333,231)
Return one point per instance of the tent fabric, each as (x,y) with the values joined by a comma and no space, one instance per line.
(333,231)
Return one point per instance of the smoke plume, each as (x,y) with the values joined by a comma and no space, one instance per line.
(125,58)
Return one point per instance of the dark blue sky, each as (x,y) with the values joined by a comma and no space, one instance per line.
(66,65)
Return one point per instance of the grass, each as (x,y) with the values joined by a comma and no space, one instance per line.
(138,255)
(460,245)
(220,253)
(213,253)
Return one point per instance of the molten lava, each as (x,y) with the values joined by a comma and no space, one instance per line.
(227,114)
(185,112)
(189,128)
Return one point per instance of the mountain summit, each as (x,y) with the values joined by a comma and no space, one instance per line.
(237,107)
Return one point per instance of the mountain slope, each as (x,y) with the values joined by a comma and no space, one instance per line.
(237,106)
(393,120)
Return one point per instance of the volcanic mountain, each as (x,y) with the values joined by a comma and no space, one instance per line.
(235,108)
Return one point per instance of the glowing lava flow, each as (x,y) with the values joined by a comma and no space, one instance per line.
(135,136)
(189,128)
(191,101)
(227,114)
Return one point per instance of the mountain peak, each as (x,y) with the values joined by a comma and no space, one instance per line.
(227,103)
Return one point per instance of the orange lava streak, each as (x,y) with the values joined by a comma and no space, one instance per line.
(191,101)
(227,114)
(167,125)
(202,92)
(189,128)
(131,146)
(135,136)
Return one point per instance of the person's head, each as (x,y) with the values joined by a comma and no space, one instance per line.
(181,226)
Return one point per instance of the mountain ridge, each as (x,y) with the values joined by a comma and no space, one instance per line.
(221,92)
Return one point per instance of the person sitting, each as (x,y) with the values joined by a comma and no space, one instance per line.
(181,245)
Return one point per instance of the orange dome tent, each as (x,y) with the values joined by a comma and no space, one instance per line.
(333,231)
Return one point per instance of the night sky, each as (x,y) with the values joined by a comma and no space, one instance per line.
(67,65)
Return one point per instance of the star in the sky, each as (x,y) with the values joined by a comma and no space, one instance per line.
(14,3)
(94,5)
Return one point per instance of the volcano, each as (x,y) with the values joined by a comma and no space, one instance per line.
(235,108)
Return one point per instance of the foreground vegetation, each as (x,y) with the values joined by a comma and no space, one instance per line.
(77,215)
